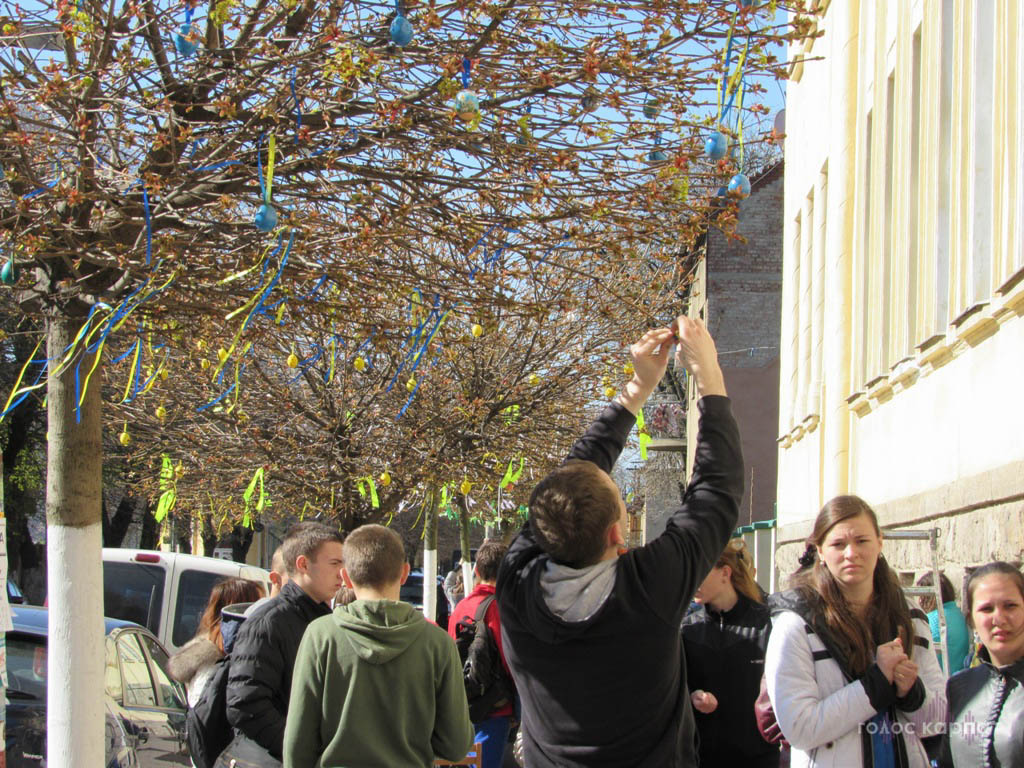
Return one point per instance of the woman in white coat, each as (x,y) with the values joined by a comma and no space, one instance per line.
(849,667)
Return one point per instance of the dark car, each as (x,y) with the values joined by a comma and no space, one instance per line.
(145,709)
(412,593)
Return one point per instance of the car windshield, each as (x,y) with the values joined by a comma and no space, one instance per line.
(26,666)
(133,592)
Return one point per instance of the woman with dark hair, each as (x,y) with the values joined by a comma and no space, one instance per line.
(194,663)
(849,668)
(724,642)
(986,702)
(958,639)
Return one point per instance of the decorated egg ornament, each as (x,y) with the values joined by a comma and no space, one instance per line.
(739,186)
(716,146)
(266,218)
(186,41)
(401,31)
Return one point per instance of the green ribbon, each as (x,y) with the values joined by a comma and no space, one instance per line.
(642,433)
(512,475)
(247,496)
(363,483)
(168,497)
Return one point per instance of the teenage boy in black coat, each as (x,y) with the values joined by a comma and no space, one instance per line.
(591,632)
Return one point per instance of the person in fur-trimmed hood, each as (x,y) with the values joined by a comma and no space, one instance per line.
(194,663)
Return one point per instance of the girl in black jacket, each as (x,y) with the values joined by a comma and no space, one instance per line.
(725,640)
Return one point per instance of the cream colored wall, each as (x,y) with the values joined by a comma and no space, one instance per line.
(885,390)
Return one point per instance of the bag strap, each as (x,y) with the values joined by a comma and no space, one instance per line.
(481,610)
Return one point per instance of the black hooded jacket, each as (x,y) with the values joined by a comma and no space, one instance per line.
(610,689)
(260,680)
(725,656)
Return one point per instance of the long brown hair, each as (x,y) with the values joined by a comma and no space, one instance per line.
(225,592)
(888,614)
(736,556)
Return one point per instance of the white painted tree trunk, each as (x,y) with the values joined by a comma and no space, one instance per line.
(430,584)
(467,574)
(74,710)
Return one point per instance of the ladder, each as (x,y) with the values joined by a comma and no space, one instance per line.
(930,535)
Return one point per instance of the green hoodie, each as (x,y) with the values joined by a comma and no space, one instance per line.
(376,686)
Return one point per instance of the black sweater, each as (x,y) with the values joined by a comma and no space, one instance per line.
(725,657)
(262,659)
(611,690)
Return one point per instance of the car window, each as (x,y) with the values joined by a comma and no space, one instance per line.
(138,685)
(170,693)
(134,592)
(112,672)
(26,666)
(194,588)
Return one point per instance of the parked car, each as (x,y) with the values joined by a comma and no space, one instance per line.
(14,594)
(412,593)
(166,592)
(145,709)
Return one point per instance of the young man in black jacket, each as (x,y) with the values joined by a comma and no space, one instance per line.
(591,632)
(260,678)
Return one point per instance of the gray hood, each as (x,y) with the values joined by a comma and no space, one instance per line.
(576,594)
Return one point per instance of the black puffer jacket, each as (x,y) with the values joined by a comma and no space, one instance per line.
(986,716)
(262,660)
(725,657)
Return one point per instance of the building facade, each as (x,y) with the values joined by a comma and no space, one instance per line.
(902,351)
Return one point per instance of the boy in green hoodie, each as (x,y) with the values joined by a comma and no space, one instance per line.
(375,684)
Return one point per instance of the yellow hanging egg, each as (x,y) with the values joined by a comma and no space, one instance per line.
(200,345)
(534,379)
(410,384)
(161,413)
(477,330)
(163,374)
(628,369)
(179,471)
(465,487)
(125,438)
(204,363)
(609,392)
(293,360)
(385,478)
(222,354)
(360,364)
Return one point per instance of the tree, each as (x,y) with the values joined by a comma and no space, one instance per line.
(133,153)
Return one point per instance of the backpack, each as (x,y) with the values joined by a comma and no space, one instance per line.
(488,686)
(207,730)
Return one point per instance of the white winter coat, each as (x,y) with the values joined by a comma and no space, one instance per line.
(819,712)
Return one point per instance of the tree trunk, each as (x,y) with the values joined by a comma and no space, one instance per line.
(430,554)
(467,554)
(74,709)
(149,537)
(241,540)
(116,527)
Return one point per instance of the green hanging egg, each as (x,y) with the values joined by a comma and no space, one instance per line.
(9,273)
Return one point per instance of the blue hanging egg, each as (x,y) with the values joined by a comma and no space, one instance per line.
(739,186)
(716,146)
(401,31)
(266,218)
(185,46)
(467,105)
(588,101)
(9,273)
(651,109)
(657,156)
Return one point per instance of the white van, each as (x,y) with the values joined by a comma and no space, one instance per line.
(166,592)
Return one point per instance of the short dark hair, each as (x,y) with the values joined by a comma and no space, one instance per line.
(945,587)
(374,556)
(571,511)
(488,559)
(305,539)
